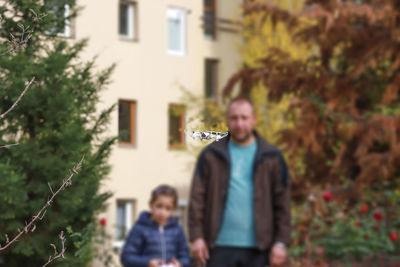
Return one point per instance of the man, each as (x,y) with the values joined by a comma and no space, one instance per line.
(239,210)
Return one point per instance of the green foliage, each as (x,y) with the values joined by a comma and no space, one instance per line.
(330,230)
(342,83)
(55,124)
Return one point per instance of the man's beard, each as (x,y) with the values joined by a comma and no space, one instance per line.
(241,140)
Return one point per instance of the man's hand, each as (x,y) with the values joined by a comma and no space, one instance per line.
(155,262)
(200,250)
(278,255)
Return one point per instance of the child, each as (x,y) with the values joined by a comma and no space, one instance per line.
(157,239)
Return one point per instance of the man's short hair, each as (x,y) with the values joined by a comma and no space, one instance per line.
(240,99)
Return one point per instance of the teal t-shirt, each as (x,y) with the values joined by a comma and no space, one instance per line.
(238,228)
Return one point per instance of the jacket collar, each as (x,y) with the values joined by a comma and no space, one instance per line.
(263,147)
(145,219)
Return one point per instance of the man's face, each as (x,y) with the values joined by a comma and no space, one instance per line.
(241,121)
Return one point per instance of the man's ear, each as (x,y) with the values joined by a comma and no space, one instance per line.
(255,119)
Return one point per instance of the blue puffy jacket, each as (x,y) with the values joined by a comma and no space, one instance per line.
(147,240)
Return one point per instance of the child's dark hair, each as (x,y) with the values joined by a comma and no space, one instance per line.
(164,190)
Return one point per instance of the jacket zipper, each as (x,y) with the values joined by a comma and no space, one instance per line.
(163,245)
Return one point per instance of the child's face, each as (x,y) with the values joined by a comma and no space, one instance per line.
(162,208)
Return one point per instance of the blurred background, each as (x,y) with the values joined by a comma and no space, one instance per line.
(122,82)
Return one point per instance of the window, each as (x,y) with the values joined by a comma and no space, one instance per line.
(209,19)
(128,20)
(176,126)
(126,122)
(66,31)
(176,31)
(180,214)
(59,17)
(124,220)
(211,78)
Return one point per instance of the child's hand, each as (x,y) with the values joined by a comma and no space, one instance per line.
(155,262)
(175,262)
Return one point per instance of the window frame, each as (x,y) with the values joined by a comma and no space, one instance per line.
(183,28)
(181,214)
(130,205)
(181,144)
(67,28)
(132,23)
(215,63)
(213,9)
(132,124)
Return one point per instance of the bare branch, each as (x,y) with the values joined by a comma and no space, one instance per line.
(41,218)
(16,44)
(51,190)
(19,99)
(31,226)
(7,146)
(56,254)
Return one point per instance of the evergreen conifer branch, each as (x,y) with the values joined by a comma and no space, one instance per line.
(30,227)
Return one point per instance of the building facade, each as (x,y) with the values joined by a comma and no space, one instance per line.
(158,47)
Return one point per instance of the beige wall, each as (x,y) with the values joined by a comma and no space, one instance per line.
(146,73)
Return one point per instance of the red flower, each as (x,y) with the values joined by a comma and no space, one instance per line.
(378,216)
(327,195)
(357,224)
(103,221)
(393,236)
(364,208)
(376,227)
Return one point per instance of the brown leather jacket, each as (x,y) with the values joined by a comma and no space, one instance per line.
(271,194)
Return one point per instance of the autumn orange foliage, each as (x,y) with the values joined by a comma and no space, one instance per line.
(345,94)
